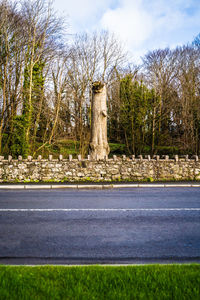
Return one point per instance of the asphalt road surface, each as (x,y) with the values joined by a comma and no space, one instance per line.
(138,225)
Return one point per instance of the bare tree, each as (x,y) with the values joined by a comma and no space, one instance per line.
(11,65)
(189,97)
(60,77)
(93,57)
(39,28)
(161,71)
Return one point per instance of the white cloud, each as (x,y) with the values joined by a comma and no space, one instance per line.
(128,21)
(142,25)
(145,25)
(83,14)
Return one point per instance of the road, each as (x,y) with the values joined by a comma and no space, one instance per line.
(138,225)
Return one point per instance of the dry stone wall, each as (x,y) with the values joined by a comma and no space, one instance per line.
(117,168)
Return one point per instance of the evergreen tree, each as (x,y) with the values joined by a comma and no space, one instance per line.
(134,113)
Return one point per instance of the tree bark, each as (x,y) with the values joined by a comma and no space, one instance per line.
(99,148)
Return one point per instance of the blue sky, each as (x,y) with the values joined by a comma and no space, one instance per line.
(141,25)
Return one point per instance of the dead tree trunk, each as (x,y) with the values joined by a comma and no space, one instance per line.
(99,148)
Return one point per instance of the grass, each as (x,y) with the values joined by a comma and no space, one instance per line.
(67,146)
(100,282)
(64,147)
(117,149)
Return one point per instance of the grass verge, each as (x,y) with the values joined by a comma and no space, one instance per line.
(100,282)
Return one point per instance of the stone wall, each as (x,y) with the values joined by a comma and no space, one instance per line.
(117,168)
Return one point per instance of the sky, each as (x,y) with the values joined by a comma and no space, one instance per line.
(140,25)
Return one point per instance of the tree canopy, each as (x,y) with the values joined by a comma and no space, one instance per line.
(45,88)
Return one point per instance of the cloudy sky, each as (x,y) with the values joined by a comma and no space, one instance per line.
(141,25)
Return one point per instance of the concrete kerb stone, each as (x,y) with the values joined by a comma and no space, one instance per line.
(34,187)
(134,185)
(108,186)
(151,185)
(178,185)
(96,186)
(88,186)
(12,186)
(66,186)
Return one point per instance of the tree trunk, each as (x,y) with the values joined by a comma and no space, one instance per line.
(99,148)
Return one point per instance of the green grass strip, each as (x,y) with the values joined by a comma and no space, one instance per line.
(100,282)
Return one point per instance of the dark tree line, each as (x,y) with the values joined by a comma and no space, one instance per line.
(45,87)
(158,104)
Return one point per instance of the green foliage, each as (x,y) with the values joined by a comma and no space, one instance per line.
(117,149)
(26,85)
(30,105)
(64,147)
(51,180)
(146,121)
(135,111)
(101,282)
(87,179)
(167,150)
(67,147)
(18,144)
(150,179)
(27,180)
